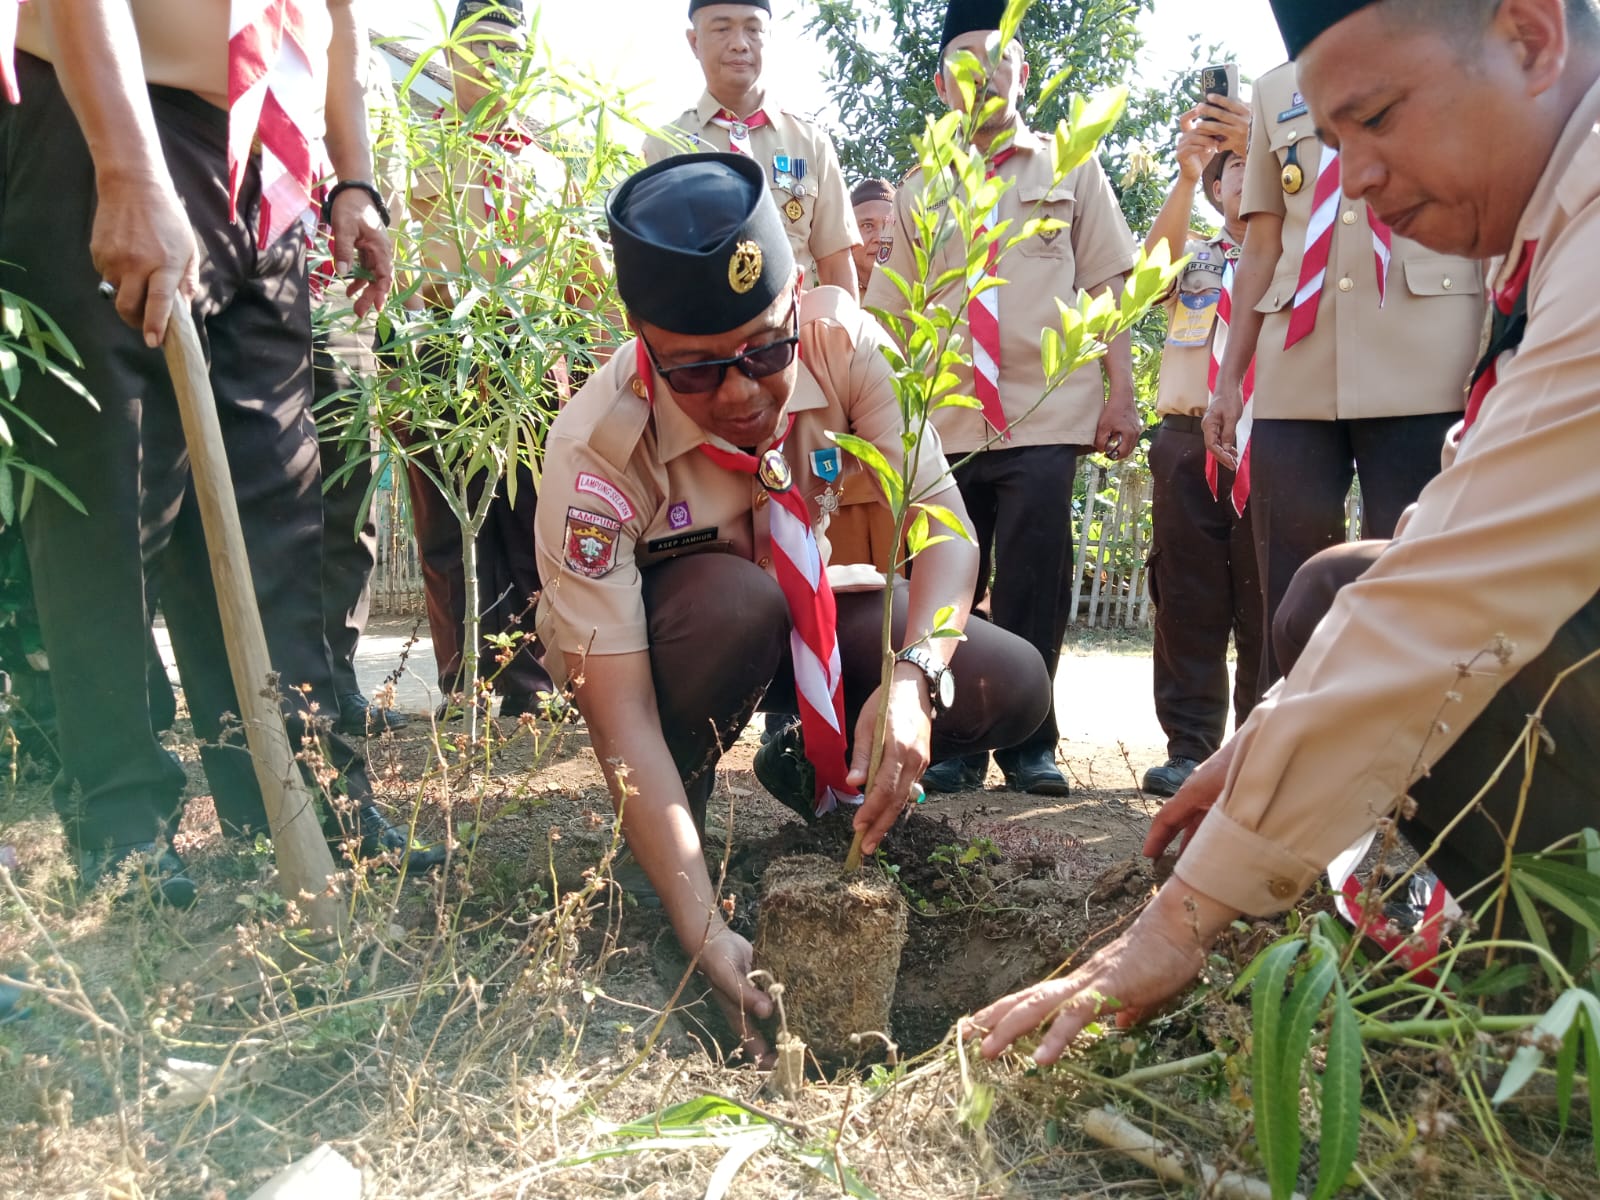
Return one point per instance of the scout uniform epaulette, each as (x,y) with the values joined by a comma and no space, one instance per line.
(617,433)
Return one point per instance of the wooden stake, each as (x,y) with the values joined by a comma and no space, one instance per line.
(305,864)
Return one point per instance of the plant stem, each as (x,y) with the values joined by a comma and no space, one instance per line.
(1180,1066)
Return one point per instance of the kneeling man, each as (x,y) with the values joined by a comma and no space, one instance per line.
(681,534)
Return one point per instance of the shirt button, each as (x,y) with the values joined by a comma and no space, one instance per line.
(1346,284)
(763,562)
(761,499)
(1349,218)
(1282,889)
(1448,283)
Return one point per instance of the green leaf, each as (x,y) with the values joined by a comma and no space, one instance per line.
(948,519)
(1591,1061)
(888,478)
(1276,1108)
(1340,1136)
(1555,1023)
(8,511)
(743,1149)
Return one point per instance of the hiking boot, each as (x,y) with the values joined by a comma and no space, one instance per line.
(360,716)
(159,873)
(1166,779)
(963,774)
(783,769)
(1034,772)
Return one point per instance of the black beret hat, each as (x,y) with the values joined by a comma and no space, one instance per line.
(696,5)
(504,12)
(1302,21)
(964,16)
(698,244)
(871,189)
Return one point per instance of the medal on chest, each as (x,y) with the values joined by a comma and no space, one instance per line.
(774,472)
(1293,177)
(827,464)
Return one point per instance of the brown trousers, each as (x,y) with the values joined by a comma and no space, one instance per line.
(719,643)
(1563,797)
(1204,584)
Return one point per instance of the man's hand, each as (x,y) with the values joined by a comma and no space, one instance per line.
(1184,812)
(1221,422)
(1118,431)
(1147,965)
(1225,122)
(1195,150)
(906,752)
(144,245)
(726,962)
(359,236)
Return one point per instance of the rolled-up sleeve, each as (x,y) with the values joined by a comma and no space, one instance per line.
(1501,549)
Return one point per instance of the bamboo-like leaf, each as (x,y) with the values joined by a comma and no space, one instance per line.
(742,1151)
(8,510)
(1340,1136)
(1554,1023)
(1277,1116)
(888,478)
(1590,1021)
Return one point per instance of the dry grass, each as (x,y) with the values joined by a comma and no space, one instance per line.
(486,1032)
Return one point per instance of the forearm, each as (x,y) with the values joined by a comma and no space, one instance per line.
(1258,263)
(1172,222)
(1118,361)
(348,142)
(945,577)
(102,76)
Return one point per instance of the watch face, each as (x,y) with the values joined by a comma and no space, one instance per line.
(947,688)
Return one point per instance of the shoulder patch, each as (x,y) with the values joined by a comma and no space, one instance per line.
(598,485)
(591,543)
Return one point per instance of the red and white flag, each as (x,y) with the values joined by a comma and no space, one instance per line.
(1239,493)
(1319,248)
(275,98)
(983,320)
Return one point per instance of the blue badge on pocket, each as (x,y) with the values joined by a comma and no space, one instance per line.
(827,463)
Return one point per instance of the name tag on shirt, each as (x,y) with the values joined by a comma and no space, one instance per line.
(1192,317)
(681,541)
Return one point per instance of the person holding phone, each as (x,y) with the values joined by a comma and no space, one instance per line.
(1361,341)
(1020,454)
(1202,559)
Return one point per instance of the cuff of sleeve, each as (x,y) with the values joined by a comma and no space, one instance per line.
(1242,869)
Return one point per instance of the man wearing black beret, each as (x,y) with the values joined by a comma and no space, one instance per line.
(1409,684)
(680,532)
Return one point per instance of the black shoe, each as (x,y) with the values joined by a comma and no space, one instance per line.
(376,838)
(1034,772)
(775,724)
(1166,779)
(160,873)
(783,769)
(964,774)
(360,716)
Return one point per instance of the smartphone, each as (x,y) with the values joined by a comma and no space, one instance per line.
(1221,80)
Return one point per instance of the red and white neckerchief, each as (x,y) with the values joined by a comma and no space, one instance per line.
(983,320)
(1507,322)
(1240,491)
(739,128)
(8,49)
(274,99)
(813,633)
(501,204)
(1319,248)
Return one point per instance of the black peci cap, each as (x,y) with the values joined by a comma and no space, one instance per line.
(698,244)
(1302,21)
(503,12)
(1212,173)
(696,5)
(964,16)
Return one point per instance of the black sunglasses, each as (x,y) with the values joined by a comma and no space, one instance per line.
(707,376)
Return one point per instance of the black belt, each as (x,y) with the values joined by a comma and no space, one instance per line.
(1182,424)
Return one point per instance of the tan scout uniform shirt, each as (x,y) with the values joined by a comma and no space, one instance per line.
(1095,248)
(823,223)
(1411,356)
(1191,321)
(184,43)
(625,484)
(1504,541)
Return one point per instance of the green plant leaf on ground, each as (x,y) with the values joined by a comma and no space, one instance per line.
(1277,1109)
(1341,1099)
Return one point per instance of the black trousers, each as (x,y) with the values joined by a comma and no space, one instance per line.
(1300,474)
(1204,583)
(1562,797)
(127,465)
(339,360)
(1020,502)
(719,643)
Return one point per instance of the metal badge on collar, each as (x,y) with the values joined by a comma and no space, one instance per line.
(774,472)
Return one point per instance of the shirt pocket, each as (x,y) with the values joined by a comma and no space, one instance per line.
(1443,275)
(796,214)
(1292,132)
(1040,201)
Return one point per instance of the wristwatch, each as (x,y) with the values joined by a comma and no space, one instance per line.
(941,679)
